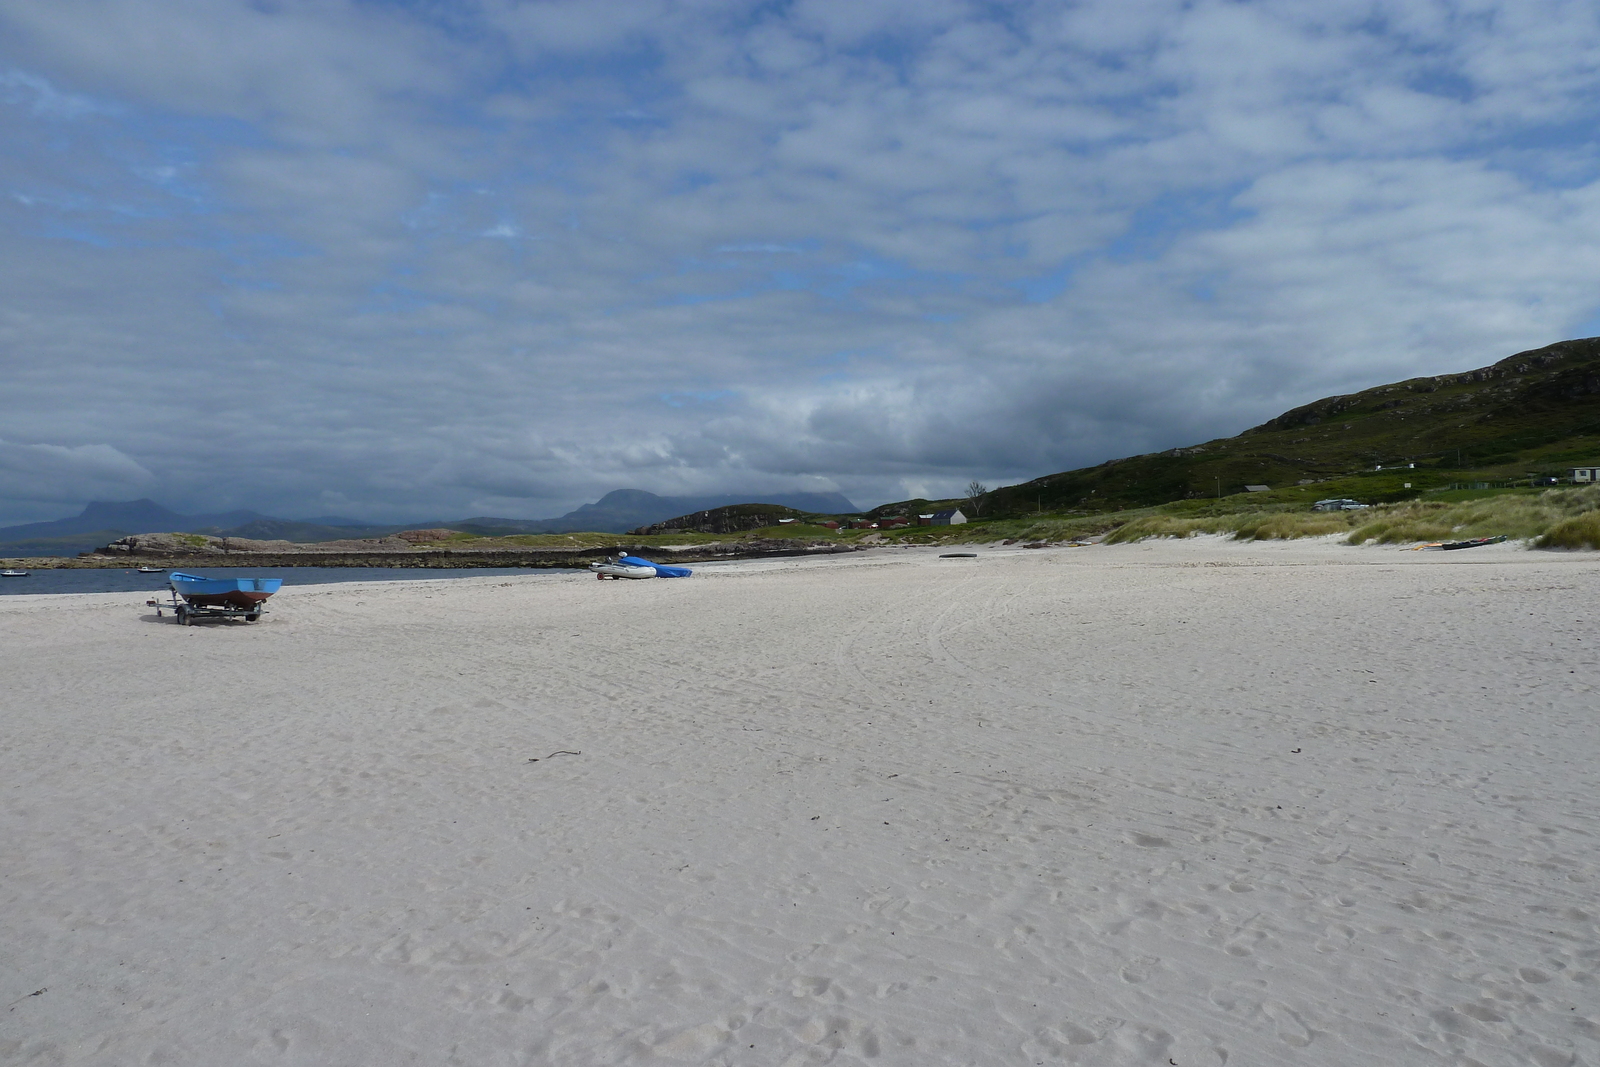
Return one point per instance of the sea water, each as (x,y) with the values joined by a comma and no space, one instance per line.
(110,580)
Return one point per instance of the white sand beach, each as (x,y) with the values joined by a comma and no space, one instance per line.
(1195,803)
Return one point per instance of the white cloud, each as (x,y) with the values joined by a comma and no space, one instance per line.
(67,474)
(895,243)
(45,99)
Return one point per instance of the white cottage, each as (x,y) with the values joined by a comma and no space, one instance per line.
(1582,475)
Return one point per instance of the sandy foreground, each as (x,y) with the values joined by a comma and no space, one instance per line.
(1190,803)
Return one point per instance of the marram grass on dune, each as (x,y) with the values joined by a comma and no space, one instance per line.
(1556,518)
(1251,526)
(1520,516)
(1579,531)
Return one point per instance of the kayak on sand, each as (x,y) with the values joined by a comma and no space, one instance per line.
(1451,546)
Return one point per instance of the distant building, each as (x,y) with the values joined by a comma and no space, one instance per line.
(1582,475)
(948,517)
(1258,488)
(924,520)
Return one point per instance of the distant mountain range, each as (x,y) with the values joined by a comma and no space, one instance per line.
(627,509)
(104,521)
(624,509)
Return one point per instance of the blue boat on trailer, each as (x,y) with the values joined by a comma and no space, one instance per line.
(195,596)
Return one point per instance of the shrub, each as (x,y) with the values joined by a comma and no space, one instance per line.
(1580,531)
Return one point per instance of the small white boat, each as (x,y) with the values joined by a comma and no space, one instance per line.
(621,570)
(149,570)
(13,574)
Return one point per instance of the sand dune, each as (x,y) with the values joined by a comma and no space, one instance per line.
(1195,803)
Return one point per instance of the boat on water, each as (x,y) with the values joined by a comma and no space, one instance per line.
(626,566)
(149,570)
(13,574)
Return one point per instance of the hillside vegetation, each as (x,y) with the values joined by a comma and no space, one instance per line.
(1532,415)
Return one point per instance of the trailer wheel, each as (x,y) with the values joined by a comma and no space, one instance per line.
(252,617)
(183,617)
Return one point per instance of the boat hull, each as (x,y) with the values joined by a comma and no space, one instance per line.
(241,593)
(234,598)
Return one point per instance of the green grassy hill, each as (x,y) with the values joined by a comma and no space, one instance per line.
(1530,416)
(733,518)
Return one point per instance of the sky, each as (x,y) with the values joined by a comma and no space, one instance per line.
(412,259)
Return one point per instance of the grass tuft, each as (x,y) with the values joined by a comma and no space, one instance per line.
(1580,531)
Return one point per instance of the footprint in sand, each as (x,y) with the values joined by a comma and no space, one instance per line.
(693,1044)
(809,987)
(1059,1040)
(1138,969)
(1292,1030)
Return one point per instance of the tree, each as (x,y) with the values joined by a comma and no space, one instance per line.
(975,494)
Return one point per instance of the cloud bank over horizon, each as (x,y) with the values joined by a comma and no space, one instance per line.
(404,261)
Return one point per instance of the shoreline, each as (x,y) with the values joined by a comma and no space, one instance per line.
(431,559)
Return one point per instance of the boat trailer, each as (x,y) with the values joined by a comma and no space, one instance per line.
(188,613)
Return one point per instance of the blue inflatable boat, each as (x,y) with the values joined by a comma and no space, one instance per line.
(634,567)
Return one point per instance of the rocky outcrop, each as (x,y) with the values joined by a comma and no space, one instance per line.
(424,537)
(207,546)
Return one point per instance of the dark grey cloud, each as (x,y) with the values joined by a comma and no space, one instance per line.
(408,261)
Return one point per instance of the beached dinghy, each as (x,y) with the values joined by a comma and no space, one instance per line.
(634,567)
(617,569)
